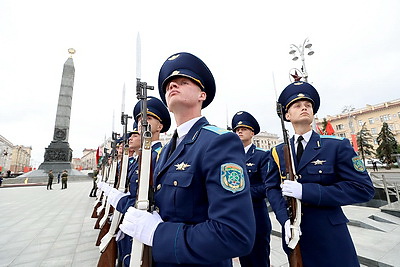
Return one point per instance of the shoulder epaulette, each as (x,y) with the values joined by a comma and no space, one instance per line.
(332,137)
(262,149)
(216,129)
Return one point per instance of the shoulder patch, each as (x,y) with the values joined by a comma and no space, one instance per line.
(358,164)
(215,129)
(232,177)
(332,137)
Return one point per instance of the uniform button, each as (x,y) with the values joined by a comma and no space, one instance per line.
(175,183)
(299,176)
(157,209)
(137,180)
(158,186)
(320,171)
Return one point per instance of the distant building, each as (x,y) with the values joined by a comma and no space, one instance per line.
(76,164)
(88,160)
(351,122)
(20,159)
(266,140)
(5,154)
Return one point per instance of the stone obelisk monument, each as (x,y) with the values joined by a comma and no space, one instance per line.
(58,154)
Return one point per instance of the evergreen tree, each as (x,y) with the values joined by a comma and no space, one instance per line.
(364,138)
(387,145)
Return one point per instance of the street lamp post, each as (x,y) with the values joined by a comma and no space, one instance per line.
(298,51)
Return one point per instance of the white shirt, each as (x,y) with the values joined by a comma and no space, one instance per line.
(184,128)
(247,148)
(306,137)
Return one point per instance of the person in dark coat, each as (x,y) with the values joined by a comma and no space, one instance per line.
(50,180)
(329,175)
(257,164)
(204,214)
(64,179)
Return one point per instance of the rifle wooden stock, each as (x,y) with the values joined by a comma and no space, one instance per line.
(103,231)
(98,204)
(100,217)
(295,259)
(108,257)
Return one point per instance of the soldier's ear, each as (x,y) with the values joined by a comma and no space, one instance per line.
(287,116)
(202,96)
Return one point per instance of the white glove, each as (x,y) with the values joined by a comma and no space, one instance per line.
(288,231)
(106,189)
(292,189)
(100,184)
(140,225)
(114,196)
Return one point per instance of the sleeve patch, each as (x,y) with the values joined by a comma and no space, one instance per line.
(232,177)
(358,163)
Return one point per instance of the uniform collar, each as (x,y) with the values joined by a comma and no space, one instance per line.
(306,136)
(246,149)
(184,128)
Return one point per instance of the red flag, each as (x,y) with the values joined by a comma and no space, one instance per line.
(329,129)
(354,142)
(97,156)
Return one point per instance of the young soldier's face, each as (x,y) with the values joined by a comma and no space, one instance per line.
(300,112)
(134,142)
(182,92)
(155,124)
(244,133)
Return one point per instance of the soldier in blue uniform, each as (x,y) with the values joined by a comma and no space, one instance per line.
(160,122)
(330,175)
(205,215)
(257,164)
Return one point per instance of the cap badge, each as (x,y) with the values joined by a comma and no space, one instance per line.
(239,113)
(240,122)
(174,57)
(176,72)
(181,166)
(301,95)
(298,83)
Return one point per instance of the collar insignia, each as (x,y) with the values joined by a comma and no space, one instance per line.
(318,162)
(250,164)
(181,166)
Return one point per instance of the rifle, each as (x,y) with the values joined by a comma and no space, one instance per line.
(294,204)
(141,254)
(108,245)
(104,177)
(105,208)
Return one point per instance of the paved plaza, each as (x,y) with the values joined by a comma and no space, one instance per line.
(42,227)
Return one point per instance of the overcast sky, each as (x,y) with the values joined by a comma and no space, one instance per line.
(244,43)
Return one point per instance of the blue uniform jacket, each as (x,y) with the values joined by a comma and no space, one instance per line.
(332,175)
(205,224)
(257,165)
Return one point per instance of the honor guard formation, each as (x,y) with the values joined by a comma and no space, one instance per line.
(201,200)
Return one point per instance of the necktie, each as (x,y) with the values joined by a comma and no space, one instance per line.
(173,143)
(300,148)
